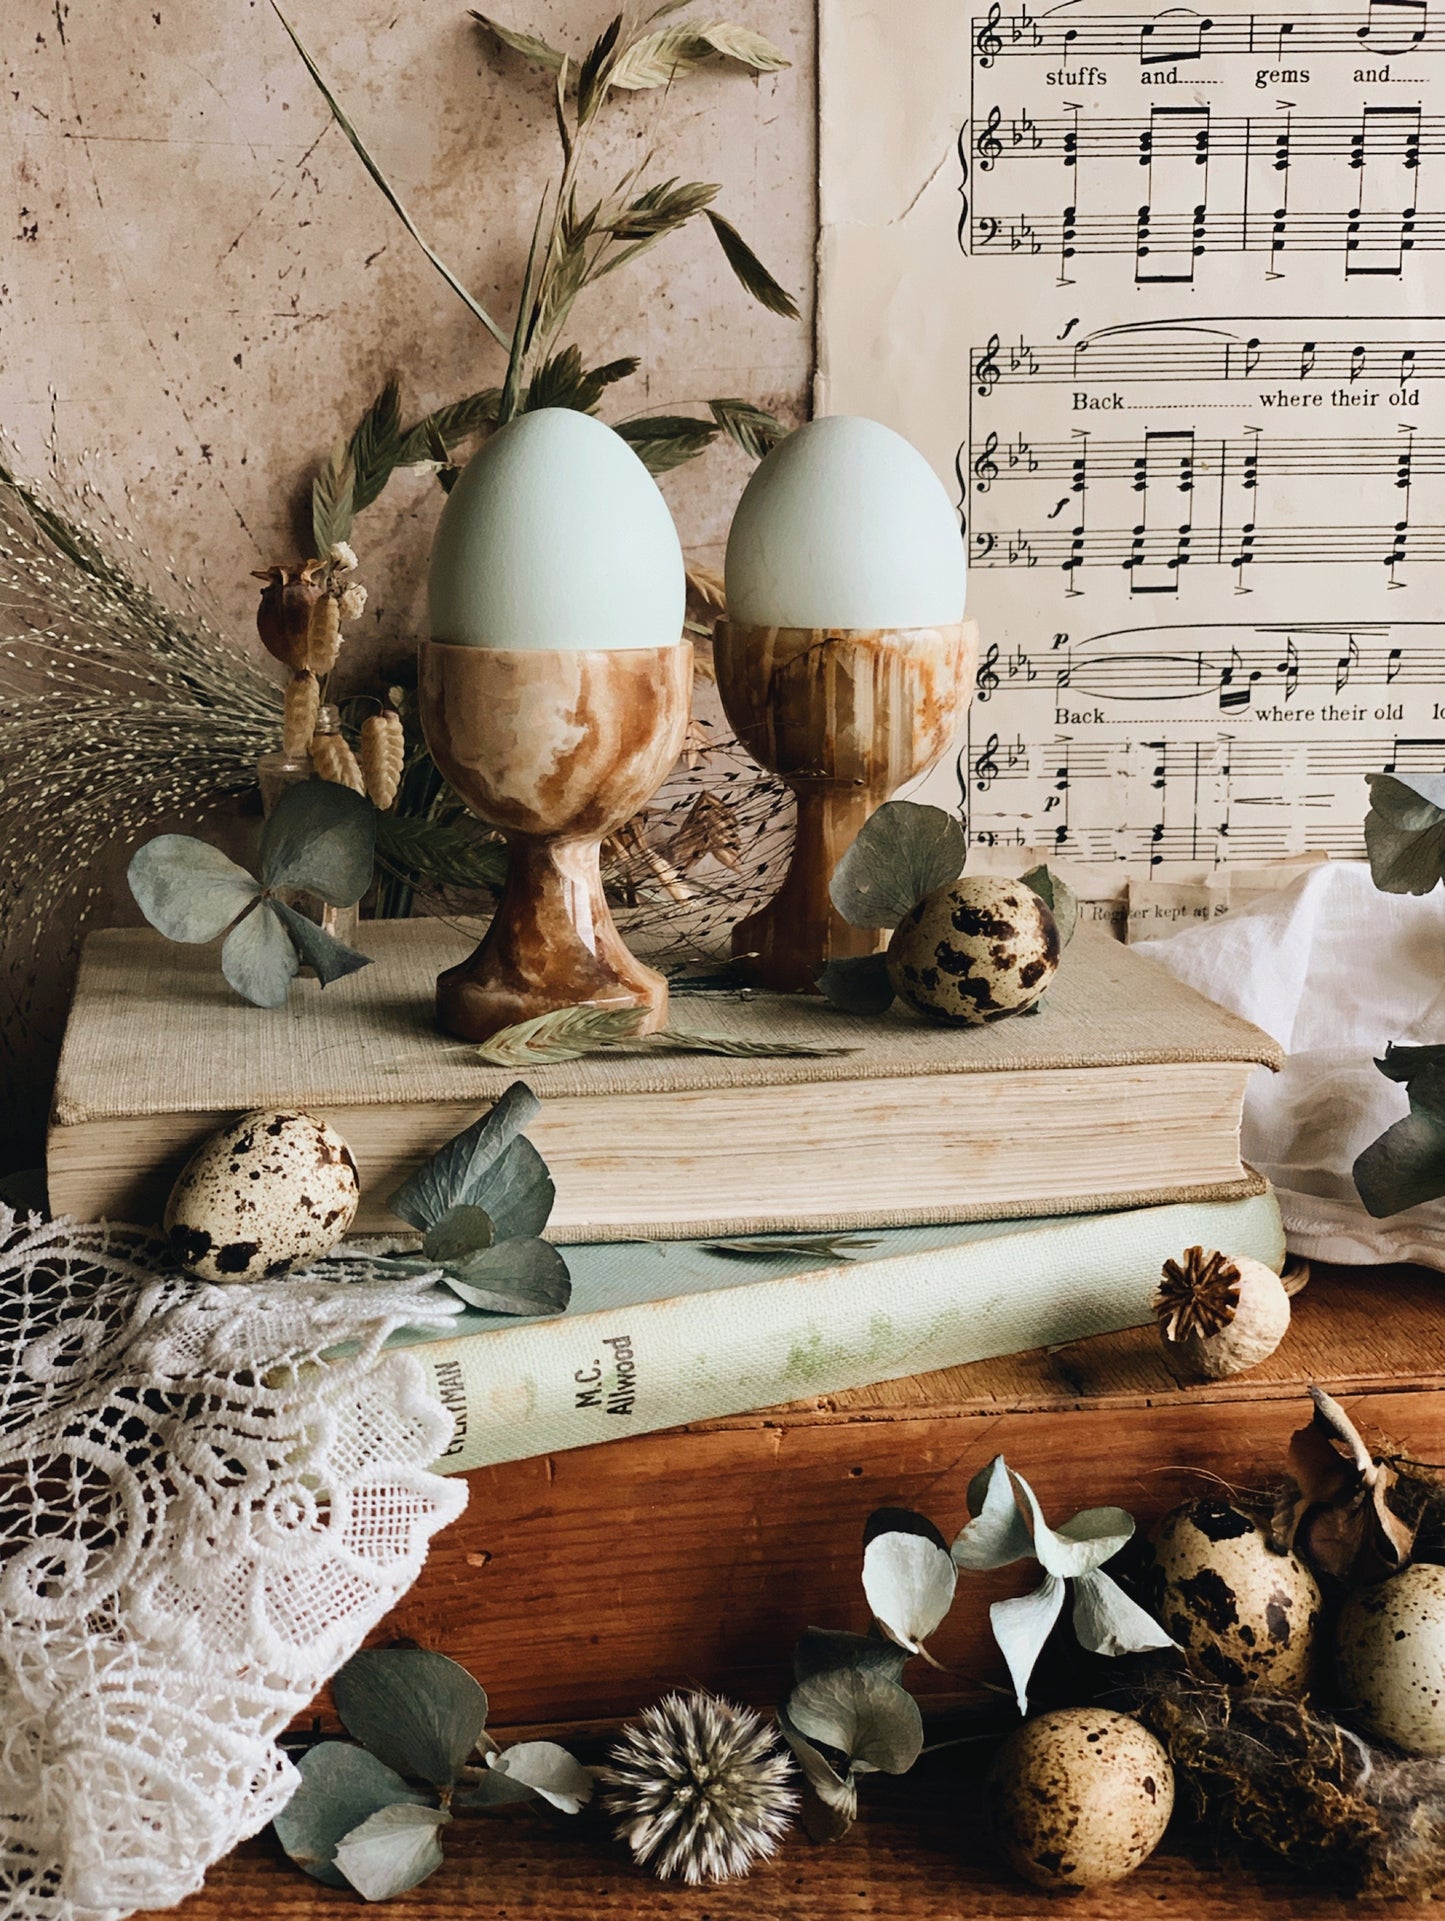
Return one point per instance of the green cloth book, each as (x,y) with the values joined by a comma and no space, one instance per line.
(1125,1090)
(664,1332)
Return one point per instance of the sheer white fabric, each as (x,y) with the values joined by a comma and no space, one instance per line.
(1334,970)
(200,1519)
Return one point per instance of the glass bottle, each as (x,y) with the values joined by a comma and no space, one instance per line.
(277,771)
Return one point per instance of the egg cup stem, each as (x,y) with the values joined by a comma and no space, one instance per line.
(552,943)
(556,748)
(780,945)
(845,716)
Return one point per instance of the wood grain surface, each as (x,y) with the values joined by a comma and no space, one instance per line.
(918,1854)
(580,1584)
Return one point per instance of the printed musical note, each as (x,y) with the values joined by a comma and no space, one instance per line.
(1385,28)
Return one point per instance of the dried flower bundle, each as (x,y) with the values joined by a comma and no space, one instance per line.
(701,1789)
(117,709)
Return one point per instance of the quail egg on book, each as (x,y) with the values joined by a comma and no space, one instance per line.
(274,1188)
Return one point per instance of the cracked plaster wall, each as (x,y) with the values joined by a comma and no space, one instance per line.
(199,286)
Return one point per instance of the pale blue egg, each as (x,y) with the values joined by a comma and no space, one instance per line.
(845,524)
(556,536)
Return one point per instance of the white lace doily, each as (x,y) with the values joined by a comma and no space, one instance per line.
(200,1518)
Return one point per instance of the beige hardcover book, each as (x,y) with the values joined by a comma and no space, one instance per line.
(1123,1091)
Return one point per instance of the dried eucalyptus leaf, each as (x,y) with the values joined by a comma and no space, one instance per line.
(259,957)
(1021,1625)
(417,1711)
(903,852)
(518,1276)
(460,1173)
(1057,895)
(751,273)
(392,1850)
(1405,831)
(320,837)
(332,959)
(908,1577)
(859,985)
(999,1533)
(493,1791)
(830,1800)
(1106,1621)
(460,1231)
(548,1770)
(187,889)
(1405,1167)
(870,1720)
(822,1650)
(340,1787)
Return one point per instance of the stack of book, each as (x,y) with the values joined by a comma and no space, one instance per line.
(742,1229)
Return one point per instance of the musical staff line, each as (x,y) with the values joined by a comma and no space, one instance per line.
(1167,244)
(1127,357)
(1384,29)
(1166,131)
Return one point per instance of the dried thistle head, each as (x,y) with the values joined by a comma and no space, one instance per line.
(1198,1295)
(701,1789)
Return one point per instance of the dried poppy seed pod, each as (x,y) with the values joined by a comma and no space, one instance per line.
(323,638)
(334,761)
(283,618)
(383,754)
(1219,1314)
(303,703)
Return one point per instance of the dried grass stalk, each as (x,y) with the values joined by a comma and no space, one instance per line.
(334,761)
(383,756)
(118,710)
(303,704)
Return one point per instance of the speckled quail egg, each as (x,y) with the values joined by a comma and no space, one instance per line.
(1240,1612)
(275,1188)
(1390,1659)
(974,951)
(1080,1797)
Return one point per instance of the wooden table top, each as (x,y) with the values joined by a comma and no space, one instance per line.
(916,1854)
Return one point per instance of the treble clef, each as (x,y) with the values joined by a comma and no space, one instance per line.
(985,768)
(986,371)
(987,44)
(987,683)
(985,468)
(988,146)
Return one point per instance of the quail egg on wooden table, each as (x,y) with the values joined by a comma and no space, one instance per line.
(1240,1612)
(974,951)
(276,1187)
(1390,1659)
(1080,1797)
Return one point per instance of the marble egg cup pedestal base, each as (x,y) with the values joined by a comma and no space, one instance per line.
(556,749)
(845,716)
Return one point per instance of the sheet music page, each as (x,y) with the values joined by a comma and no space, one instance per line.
(1160,294)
